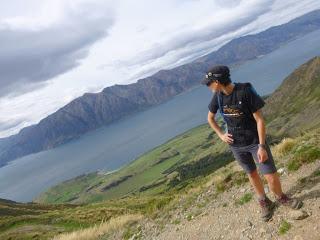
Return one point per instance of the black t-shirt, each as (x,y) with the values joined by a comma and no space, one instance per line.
(238,108)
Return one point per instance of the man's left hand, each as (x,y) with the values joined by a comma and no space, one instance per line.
(262,155)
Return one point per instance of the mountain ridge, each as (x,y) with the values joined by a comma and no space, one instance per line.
(93,110)
(289,118)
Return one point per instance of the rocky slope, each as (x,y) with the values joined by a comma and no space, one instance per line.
(229,216)
(91,111)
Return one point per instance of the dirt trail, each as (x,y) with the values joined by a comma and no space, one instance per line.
(221,218)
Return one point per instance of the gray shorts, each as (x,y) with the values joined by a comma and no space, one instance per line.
(248,159)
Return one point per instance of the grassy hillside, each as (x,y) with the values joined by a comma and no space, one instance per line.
(166,177)
(43,221)
(104,218)
(173,164)
(295,106)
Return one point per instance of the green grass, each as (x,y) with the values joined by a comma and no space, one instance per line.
(197,152)
(220,187)
(189,217)
(284,227)
(317,173)
(130,231)
(159,178)
(247,197)
(176,221)
(66,218)
(307,151)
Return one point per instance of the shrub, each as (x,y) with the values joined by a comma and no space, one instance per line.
(284,227)
(220,187)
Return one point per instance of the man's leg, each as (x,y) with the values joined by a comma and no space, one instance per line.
(274,184)
(266,204)
(256,182)
(269,170)
(246,161)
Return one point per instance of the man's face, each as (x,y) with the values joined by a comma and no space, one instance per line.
(214,86)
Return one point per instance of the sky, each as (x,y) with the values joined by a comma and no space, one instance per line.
(53,51)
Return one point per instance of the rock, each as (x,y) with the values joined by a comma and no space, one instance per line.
(281,171)
(262,231)
(298,238)
(250,224)
(245,229)
(298,214)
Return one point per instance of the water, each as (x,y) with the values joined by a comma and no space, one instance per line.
(111,147)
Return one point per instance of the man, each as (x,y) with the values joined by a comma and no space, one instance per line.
(240,106)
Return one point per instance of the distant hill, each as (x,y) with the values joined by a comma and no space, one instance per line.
(295,106)
(92,111)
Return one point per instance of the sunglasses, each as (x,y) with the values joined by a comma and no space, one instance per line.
(212,76)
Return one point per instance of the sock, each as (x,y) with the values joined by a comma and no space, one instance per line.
(262,197)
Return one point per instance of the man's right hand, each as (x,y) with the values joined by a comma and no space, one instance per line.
(226,137)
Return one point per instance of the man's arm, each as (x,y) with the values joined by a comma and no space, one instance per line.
(260,126)
(226,137)
(262,153)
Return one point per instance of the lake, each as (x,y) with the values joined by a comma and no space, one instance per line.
(108,148)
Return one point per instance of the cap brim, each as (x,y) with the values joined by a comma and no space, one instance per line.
(205,81)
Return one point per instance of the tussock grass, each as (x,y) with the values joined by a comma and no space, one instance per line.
(303,154)
(228,176)
(284,147)
(97,231)
(301,150)
(247,197)
(284,227)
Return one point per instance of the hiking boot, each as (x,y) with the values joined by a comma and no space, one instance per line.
(289,202)
(267,207)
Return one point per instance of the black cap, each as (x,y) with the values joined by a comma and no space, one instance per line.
(218,72)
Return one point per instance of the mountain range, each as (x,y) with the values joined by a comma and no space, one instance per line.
(93,110)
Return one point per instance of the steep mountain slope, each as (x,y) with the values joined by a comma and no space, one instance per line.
(295,106)
(91,111)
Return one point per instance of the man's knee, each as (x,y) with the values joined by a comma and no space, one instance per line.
(271,177)
(253,174)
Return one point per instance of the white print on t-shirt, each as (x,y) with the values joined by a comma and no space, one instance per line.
(232,112)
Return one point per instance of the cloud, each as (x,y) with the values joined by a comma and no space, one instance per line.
(66,42)
(10,124)
(31,56)
(229,18)
(244,17)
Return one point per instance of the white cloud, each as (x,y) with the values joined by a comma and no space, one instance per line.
(34,50)
(113,42)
